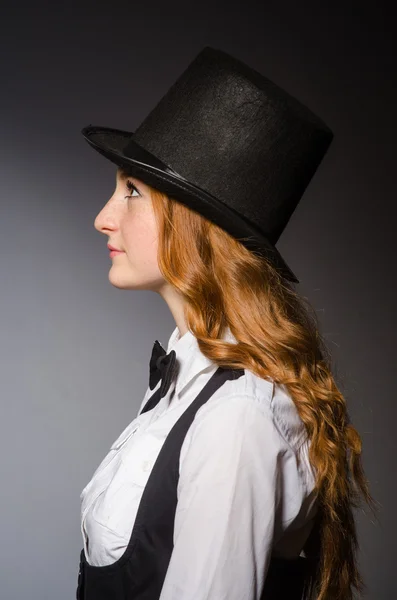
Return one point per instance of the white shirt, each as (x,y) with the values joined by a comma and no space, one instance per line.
(245,486)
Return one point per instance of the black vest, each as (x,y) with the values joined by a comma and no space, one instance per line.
(140,572)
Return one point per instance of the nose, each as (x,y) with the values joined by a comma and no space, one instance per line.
(106,220)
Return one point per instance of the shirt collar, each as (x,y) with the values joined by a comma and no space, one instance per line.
(190,359)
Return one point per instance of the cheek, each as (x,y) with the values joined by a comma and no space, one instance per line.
(140,238)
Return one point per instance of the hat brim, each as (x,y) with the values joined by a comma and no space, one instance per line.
(112,143)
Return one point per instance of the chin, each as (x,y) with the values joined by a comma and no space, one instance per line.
(125,283)
(120,281)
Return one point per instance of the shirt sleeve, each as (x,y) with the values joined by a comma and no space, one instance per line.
(228,493)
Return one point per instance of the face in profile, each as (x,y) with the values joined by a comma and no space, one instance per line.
(128,221)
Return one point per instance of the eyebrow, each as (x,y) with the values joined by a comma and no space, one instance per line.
(123,174)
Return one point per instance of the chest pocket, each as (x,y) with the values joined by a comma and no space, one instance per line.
(138,458)
(117,505)
(126,434)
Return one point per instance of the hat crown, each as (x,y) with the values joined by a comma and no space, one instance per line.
(231,131)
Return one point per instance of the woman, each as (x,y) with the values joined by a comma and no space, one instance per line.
(238,478)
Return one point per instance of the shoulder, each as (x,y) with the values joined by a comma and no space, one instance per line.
(251,394)
(252,426)
(260,414)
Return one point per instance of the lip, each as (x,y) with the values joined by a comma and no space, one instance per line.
(115,253)
(113,248)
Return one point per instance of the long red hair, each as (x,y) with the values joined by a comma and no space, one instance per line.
(277,330)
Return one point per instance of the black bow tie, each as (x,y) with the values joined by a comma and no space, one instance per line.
(162,366)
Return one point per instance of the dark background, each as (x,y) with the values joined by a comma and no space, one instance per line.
(75,350)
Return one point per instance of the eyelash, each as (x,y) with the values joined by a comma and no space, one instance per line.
(131,187)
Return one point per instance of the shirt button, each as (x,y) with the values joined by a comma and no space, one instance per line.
(146,465)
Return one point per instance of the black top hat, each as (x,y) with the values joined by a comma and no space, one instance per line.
(230,144)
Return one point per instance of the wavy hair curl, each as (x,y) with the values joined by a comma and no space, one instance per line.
(278,333)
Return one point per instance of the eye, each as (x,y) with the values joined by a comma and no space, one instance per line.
(131,187)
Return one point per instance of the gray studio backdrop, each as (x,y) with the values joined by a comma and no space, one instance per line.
(75,350)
